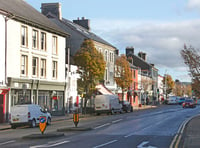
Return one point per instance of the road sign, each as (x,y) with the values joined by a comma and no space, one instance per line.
(76,119)
(43,124)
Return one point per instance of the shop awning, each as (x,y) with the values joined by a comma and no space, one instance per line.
(4,91)
(103,90)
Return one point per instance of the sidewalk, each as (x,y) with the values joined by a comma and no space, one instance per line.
(190,138)
(4,126)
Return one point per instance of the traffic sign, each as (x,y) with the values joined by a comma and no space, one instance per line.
(43,123)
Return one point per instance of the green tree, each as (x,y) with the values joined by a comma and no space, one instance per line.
(91,67)
(123,75)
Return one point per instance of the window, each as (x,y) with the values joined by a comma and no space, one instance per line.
(54,45)
(106,55)
(24,64)
(35,39)
(24,36)
(54,69)
(35,66)
(110,57)
(43,41)
(43,68)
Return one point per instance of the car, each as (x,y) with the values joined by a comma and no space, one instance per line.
(27,114)
(181,101)
(189,103)
(126,106)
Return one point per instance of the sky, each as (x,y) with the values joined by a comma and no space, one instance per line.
(160,28)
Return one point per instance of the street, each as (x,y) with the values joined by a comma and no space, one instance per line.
(150,128)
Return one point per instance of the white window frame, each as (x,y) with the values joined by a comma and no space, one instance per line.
(24,36)
(24,65)
(35,66)
(43,68)
(43,41)
(54,69)
(34,39)
(54,45)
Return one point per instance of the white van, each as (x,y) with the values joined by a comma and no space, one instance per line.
(27,114)
(172,100)
(107,104)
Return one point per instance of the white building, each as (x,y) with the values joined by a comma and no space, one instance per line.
(35,60)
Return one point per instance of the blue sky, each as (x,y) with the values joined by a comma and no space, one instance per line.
(158,27)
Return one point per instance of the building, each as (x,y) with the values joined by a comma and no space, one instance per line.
(80,30)
(33,57)
(149,75)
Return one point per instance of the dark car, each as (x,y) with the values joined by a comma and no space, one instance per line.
(181,101)
(189,103)
(126,106)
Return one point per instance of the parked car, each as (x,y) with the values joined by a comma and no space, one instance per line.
(181,101)
(189,103)
(172,100)
(27,114)
(126,106)
(107,104)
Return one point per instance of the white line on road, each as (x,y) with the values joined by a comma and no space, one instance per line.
(7,142)
(98,146)
(117,121)
(142,144)
(102,125)
(47,145)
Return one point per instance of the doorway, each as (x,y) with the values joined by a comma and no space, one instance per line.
(1,109)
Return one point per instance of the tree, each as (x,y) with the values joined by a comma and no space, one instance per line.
(123,75)
(168,83)
(91,67)
(191,57)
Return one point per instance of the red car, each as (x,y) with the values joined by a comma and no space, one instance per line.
(189,103)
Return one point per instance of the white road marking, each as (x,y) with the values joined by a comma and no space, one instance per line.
(102,125)
(7,142)
(47,145)
(117,121)
(98,146)
(142,144)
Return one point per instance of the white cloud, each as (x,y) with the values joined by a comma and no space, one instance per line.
(193,4)
(162,41)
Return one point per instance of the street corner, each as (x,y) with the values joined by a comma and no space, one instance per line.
(43,136)
(68,129)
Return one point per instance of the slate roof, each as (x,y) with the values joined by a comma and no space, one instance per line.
(83,31)
(25,13)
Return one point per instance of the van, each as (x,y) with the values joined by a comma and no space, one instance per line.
(107,104)
(172,100)
(27,114)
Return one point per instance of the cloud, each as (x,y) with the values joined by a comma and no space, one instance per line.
(193,4)
(162,41)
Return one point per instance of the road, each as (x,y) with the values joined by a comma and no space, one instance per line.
(152,128)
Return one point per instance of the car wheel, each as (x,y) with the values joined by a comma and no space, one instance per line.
(13,126)
(49,121)
(33,123)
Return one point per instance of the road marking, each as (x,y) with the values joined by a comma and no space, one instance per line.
(117,121)
(7,142)
(98,146)
(144,143)
(128,135)
(102,125)
(47,145)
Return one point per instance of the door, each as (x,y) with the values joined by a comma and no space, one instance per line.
(1,109)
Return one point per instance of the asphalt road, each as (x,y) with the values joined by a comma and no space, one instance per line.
(152,128)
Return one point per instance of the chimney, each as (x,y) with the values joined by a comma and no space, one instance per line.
(129,51)
(117,52)
(52,10)
(83,22)
(142,55)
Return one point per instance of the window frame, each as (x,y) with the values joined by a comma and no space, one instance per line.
(35,39)
(54,69)
(24,36)
(24,65)
(35,67)
(43,41)
(54,45)
(43,68)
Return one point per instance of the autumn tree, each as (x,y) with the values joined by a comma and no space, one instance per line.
(168,83)
(123,76)
(191,58)
(91,67)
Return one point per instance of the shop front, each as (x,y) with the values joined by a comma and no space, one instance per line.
(3,105)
